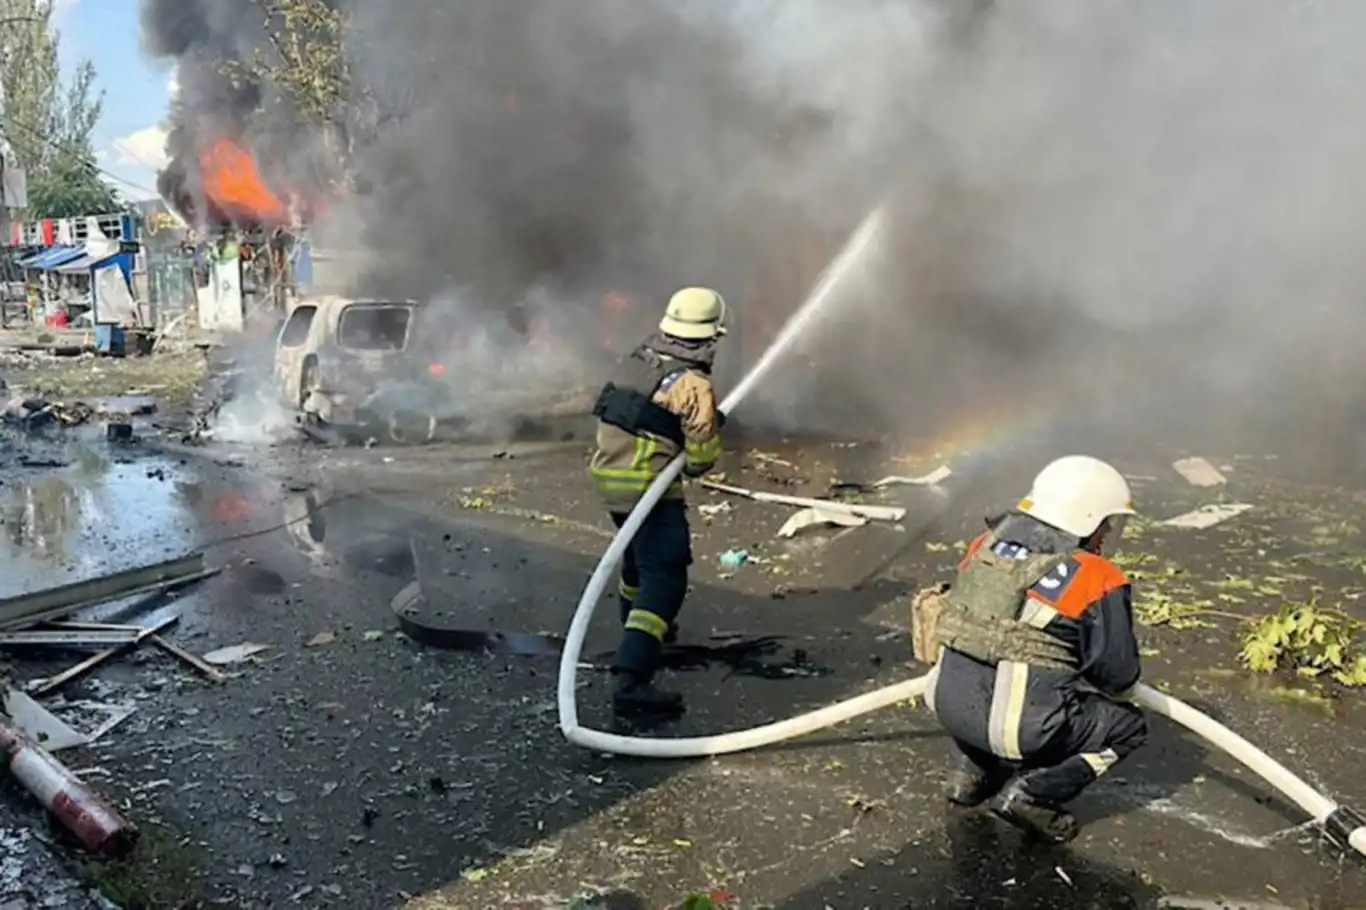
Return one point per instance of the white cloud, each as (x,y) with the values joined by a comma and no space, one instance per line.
(145,147)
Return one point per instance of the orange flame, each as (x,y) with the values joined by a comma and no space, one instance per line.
(233,183)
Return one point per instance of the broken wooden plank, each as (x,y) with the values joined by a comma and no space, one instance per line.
(198,663)
(53,683)
(209,672)
(53,603)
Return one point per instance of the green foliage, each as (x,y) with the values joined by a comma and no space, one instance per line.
(30,80)
(304,65)
(48,131)
(1308,639)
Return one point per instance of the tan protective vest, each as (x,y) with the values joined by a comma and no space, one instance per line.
(979,614)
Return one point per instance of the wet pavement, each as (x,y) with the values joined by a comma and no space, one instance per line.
(347,766)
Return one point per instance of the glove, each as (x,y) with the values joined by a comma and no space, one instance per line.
(694,470)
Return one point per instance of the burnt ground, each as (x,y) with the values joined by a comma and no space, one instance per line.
(347,766)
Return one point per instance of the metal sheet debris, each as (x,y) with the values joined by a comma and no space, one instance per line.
(873,513)
(1199,472)
(54,603)
(807,518)
(1207,516)
(935,477)
(41,725)
(69,638)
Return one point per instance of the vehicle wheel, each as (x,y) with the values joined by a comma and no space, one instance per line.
(309,382)
(412,426)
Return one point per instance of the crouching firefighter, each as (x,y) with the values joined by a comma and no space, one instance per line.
(1037,654)
(659,403)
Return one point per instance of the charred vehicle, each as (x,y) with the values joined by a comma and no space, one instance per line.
(374,369)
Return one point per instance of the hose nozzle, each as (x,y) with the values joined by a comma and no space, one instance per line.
(1347,828)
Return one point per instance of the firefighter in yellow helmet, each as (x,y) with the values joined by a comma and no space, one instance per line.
(659,402)
(1037,651)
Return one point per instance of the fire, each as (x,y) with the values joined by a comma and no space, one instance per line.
(234,184)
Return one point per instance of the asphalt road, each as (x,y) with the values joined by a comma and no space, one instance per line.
(347,766)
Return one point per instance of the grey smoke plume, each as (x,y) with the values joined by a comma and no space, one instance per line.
(1155,200)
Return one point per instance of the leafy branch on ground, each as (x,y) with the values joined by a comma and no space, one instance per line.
(1308,639)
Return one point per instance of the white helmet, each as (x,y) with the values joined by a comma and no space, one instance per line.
(1076,494)
(695,314)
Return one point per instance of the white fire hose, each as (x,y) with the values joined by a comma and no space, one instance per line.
(1340,822)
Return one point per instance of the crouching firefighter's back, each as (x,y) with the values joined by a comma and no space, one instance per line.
(1037,651)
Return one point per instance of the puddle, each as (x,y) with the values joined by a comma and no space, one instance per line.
(91,516)
(110,510)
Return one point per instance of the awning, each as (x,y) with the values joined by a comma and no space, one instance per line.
(83,264)
(28,259)
(57,255)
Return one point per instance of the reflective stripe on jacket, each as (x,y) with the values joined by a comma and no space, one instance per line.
(625,464)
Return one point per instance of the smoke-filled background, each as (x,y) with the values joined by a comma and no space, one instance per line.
(1147,212)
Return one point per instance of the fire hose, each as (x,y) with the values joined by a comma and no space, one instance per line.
(1341,823)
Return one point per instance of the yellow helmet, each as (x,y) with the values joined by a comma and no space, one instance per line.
(695,314)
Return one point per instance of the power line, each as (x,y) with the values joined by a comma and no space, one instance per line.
(59,147)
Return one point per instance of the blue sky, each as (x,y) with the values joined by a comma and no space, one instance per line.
(129,143)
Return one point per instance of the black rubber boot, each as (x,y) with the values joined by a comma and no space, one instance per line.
(636,695)
(1049,824)
(671,636)
(971,786)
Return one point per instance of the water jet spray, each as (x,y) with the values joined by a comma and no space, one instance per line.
(1341,823)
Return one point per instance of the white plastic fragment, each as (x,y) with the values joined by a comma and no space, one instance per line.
(1199,472)
(807,518)
(937,476)
(1207,516)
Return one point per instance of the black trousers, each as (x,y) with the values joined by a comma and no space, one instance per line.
(1099,734)
(654,582)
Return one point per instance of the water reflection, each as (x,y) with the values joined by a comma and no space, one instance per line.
(95,515)
(46,515)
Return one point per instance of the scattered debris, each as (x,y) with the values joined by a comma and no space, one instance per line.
(1207,516)
(819,516)
(937,476)
(52,684)
(98,827)
(55,603)
(234,654)
(1199,472)
(36,413)
(733,559)
(873,513)
(41,725)
(711,510)
(321,639)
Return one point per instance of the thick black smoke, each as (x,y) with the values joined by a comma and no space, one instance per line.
(1094,200)
(504,144)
